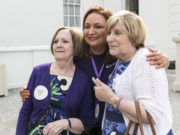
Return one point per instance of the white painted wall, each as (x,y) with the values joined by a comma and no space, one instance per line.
(20,61)
(174,23)
(155,16)
(174,15)
(29,22)
(86,4)
(114,5)
(25,26)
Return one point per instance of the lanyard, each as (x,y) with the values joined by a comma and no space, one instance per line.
(98,75)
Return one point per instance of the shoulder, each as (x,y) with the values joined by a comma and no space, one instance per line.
(42,67)
(141,53)
(140,57)
(139,62)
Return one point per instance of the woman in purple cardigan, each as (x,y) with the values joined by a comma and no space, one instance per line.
(60,100)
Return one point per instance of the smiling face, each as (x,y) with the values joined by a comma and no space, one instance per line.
(63,45)
(94,30)
(119,44)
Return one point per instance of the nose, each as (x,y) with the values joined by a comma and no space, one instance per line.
(91,30)
(59,44)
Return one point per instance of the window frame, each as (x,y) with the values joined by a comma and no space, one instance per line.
(75,14)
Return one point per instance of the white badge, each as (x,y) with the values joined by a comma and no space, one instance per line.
(40,92)
(97,110)
(113,133)
(66,82)
(110,65)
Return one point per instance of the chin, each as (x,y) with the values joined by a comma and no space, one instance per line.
(93,44)
(112,53)
(59,58)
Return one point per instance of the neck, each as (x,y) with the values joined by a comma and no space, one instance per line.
(98,50)
(127,56)
(64,68)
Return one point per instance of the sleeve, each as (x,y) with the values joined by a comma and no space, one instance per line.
(150,87)
(26,109)
(87,107)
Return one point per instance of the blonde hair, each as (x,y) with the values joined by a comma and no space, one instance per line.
(76,39)
(132,24)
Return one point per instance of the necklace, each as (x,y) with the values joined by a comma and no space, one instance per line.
(98,74)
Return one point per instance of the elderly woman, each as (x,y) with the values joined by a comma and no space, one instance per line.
(61,100)
(133,79)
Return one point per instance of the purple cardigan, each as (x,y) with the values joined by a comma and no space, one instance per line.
(78,104)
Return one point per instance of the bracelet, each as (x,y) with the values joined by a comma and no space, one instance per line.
(115,102)
(69,122)
(118,103)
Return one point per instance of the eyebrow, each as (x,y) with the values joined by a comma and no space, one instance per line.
(95,24)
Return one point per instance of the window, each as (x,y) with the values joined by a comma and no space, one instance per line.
(132,5)
(71,9)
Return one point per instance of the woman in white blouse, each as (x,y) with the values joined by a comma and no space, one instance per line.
(133,79)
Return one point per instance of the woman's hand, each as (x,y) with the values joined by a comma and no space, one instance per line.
(24,94)
(104,93)
(54,128)
(158,58)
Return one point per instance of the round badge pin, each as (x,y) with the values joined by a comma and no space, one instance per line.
(40,92)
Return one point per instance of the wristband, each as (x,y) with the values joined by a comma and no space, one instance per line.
(118,103)
(69,122)
(115,102)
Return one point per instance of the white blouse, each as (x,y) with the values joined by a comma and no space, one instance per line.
(149,86)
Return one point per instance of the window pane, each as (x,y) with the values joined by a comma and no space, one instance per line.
(65,9)
(77,1)
(77,21)
(77,10)
(71,21)
(132,5)
(65,21)
(71,1)
(71,9)
(65,1)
